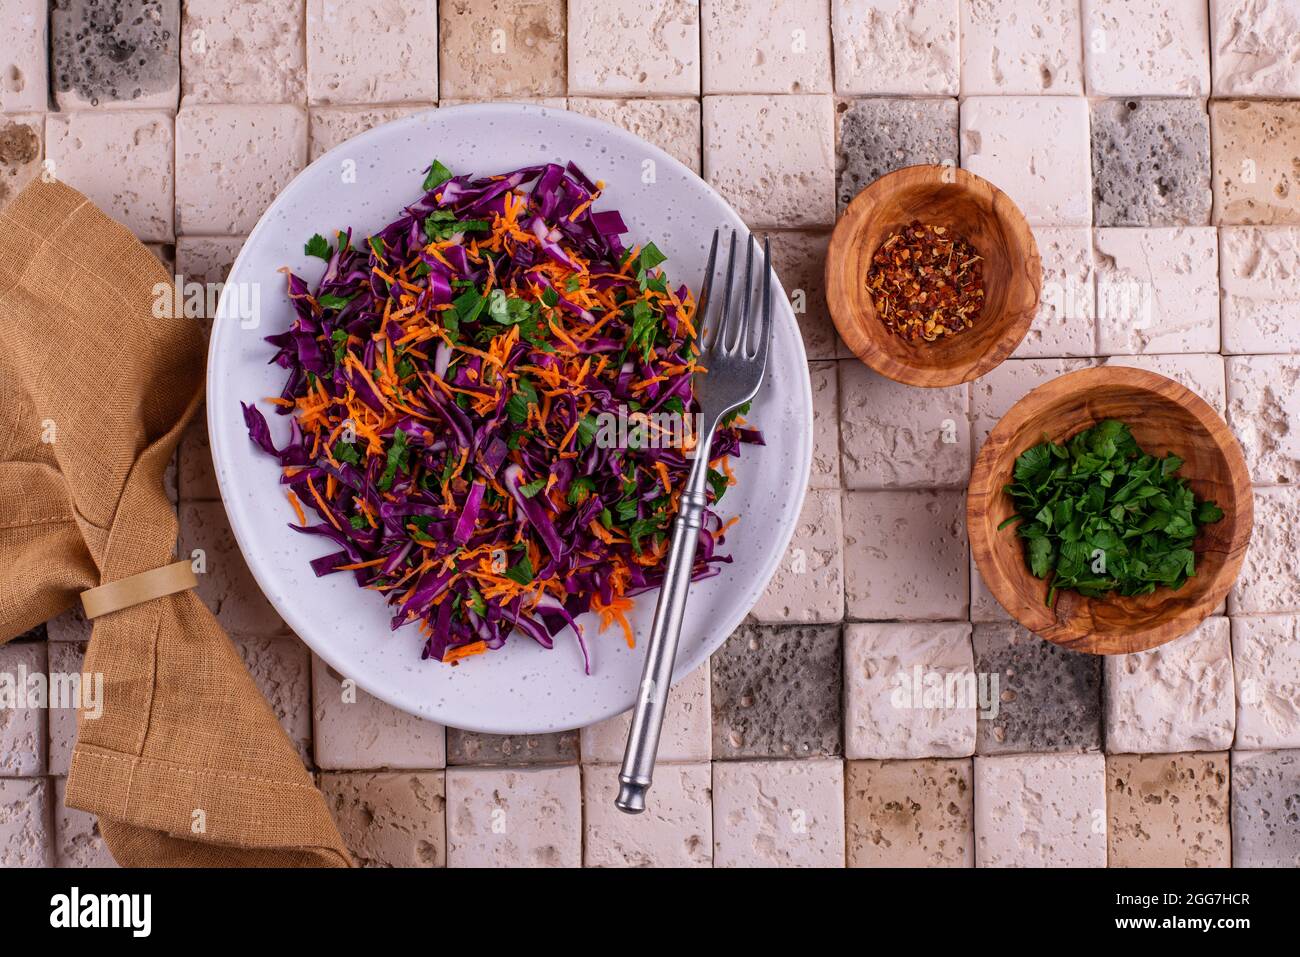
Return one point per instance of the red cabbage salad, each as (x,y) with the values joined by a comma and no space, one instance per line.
(476,396)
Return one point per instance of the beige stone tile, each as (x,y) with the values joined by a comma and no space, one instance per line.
(905,555)
(1255,147)
(778,813)
(355,731)
(505,47)
(1021,47)
(394,819)
(1259,274)
(24,68)
(1133,49)
(883,46)
(772,158)
(136,188)
(1066,323)
(910,813)
(372,51)
(993,395)
(1202,373)
(824,377)
(1168,810)
(330,126)
(675,830)
(65,658)
(1263,410)
(226,585)
(242,51)
(673,125)
(785,49)
(22,148)
(808,586)
(514,817)
(627,48)
(1255,48)
(1266,665)
(232,162)
(1040,810)
(1270,576)
(686,729)
(22,721)
(77,840)
(26,839)
(896,436)
(799,258)
(281,669)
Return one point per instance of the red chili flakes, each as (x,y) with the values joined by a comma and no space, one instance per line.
(926,283)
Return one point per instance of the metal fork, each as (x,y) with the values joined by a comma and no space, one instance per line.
(734,355)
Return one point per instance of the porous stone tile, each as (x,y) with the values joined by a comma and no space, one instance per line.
(1270,576)
(895,436)
(232,161)
(65,658)
(993,395)
(778,813)
(1201,372)
(983,606)
(1146,49)
(1168,810)
(122,54)
(824,377)
(510,47)
(1150,162)
(686,730)
(392,819)
(281,669)
(354,731)
(24,70)
(372,51)
(1046,698)
(471,747)
(69,625)
(165,253)
(909,690)
(808,585)
(1256,162)
(627,48)
(1263,402)
(77,840)
(672,125)
(22,721)
(905,555)
(527,817)
(1177,697)
(242,51)
(1255,52)
(550,102)
(1022,47)
(1040,810)
(225,583)
(799,258)
(25,837)
(1066,323)
(21,151)
(884,46)
(880,135)
(207,259)
(776,693)
(1259,275)
(772,158)
(785,49)
(675,829)
(136,188)
(1157,290)
(1265,794)
(1049,178)
(198,482)
(910,813)
(1266,664)
(328,126)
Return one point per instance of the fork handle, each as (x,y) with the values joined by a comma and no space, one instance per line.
(656,677)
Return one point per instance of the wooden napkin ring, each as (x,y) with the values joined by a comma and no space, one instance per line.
(146,586)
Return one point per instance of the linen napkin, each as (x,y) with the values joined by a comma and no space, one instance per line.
(187,764)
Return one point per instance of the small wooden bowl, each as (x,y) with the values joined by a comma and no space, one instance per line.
(969,206)
(1164,417)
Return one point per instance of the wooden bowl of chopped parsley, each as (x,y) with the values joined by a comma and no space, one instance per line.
(1109,511)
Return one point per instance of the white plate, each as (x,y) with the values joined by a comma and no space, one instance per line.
(522,688)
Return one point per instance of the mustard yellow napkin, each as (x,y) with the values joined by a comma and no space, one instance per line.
(187,764)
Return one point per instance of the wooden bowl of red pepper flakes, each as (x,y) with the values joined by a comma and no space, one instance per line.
(959,322)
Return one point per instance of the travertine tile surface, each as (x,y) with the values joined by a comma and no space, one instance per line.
(778,814)
(1255,148)
(243,51)
(1266,664)
(22,719)
(1265,792)
(883,46)
(880,135)
(1020,47)
(1040,810)
(372,51)
(808,585)
(685,736)
(787,50)
(1254,48)
(1149,49)
(514,817)
(627,48)
(390,819)
(26,836)
(910,813)
(675,830)
(1168,810)
(1260,281)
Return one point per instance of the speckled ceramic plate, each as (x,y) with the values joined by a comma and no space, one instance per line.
(521,688)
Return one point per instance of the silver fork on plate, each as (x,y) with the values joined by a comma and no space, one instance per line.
(734,355)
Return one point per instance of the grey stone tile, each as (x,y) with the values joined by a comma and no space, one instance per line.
(777,693)
(1266,808)
(1150,163)
(877,136)
(125,53)
(470,747)
(1049,699)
